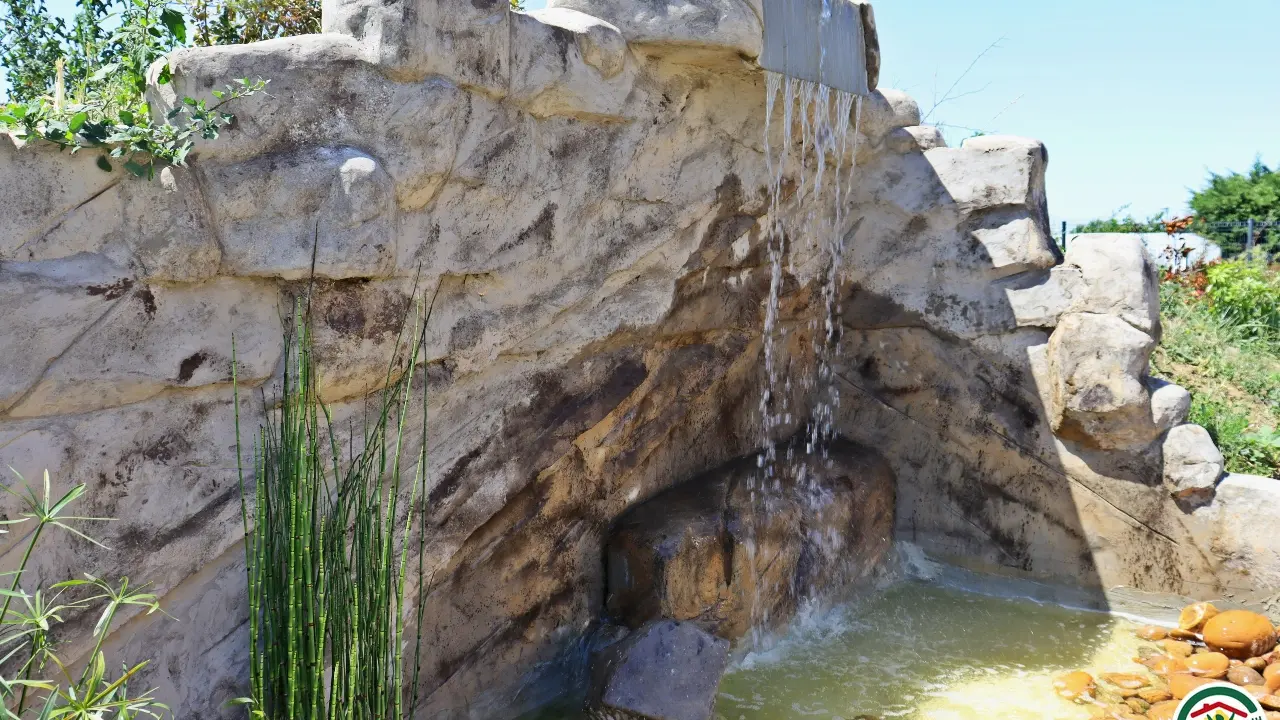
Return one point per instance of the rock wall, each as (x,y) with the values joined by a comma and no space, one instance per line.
(578,196)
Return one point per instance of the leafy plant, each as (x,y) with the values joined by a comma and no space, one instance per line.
(1232,372)
(227,22)
(326,561)
(1247,294)
(27,639)
(133,139)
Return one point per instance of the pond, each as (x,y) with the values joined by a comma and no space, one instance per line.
(922,650)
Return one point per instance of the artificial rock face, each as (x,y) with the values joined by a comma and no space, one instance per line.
(579,197)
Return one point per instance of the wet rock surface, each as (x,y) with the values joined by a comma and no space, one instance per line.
(732,551)
(664,670)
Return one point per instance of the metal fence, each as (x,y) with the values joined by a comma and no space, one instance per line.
(1254,229)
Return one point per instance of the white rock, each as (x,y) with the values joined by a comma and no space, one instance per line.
(1192,463)
(1113,274)
(568,63)
(1170,403)
(467,42)
(1244,507)
(158,337)
(886,110)
(47,306)
(992,171)
(42,188)
(1015,242)
(1097,364)
(274,211)
(916,138)
(662,26)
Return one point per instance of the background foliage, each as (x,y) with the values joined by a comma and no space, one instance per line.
(1240,196)
(1232,197)
(1222,342)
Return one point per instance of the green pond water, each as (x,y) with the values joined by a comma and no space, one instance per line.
(923,651)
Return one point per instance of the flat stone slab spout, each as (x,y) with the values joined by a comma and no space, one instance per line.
(831,42)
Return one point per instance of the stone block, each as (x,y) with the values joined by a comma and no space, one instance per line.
(662,26)
(662,671)
(273,212)
(48,305)
(565,62)
(1097,367)
(467,41)
(731,550)
(1192,463)
(158,337)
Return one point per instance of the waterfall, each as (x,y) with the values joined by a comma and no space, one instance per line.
(825,119)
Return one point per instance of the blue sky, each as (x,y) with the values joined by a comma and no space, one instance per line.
(1137,100)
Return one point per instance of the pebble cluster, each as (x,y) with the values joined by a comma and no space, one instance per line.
(1209,645)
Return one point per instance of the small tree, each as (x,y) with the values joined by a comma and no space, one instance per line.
(1235,197)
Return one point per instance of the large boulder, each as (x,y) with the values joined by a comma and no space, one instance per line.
(733,550)
(664,670)
(1237,524)
(1098,395)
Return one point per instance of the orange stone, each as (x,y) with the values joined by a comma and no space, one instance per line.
(1181,684)
(1155,695)
(1210,664)
(1180,634)
(1128,681)
(1076,685)
(1164,665)
(1271,677)
(1163,710)
(1270,702)
(1193,617)
(1176,648)
(1152,632)
(1239,634)
(1257,663)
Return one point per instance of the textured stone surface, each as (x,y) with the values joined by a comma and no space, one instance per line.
(664,670)
(1097,364)
(1242,505)
(1192,463)
(157,337)
(579,222)
(1170,403)
(664,25)
(714,552)
(330,208)
(569,63)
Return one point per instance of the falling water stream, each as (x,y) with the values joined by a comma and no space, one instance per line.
(806,222)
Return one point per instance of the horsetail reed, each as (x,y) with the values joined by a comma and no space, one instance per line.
(326,561)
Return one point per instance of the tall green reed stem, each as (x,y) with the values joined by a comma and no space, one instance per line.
(326,546)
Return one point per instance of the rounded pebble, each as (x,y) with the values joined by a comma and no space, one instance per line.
(1239,634)
(1244,675)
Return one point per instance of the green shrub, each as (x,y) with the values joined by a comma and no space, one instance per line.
(84,88)
(1239,196)
(1245,451)
(1247,295)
